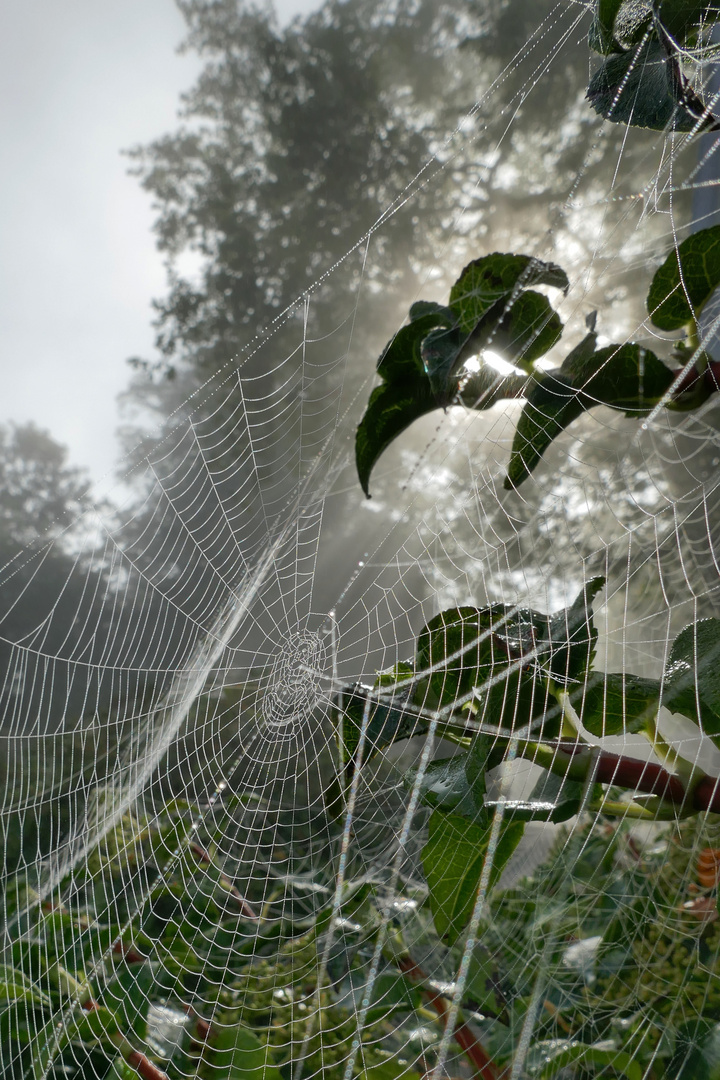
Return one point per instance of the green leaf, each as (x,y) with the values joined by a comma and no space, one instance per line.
(616,703)
(120,1070)
(518,699)
(238,1054)
(46,1045)
(692,676)
(16,986)
(445,785)
(389,1070)
(422,308)
(492,278)
(632,22)
(552,405)
(405,393)
(625,377)
(392,407)
(402,359)
(570,635)
(686,280)
(485,752)
(97,1026)
(561,1055)
(601,37)
(453,860)
(638,89)
(395,676)
(483,991)
(528,330)
(484,388)
(442,351)
(388,721)
(458,642)
(681,18)
(421,366)
(128,996)
(521,329)
(697,1051)
(478,649)
(391,993)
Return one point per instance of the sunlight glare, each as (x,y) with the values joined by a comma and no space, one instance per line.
(499,364)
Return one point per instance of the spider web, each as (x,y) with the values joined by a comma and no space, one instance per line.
(192,851)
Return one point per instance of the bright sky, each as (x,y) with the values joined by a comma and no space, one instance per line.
(79,82)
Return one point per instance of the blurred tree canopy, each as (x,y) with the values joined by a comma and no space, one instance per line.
(40,493)
(296,142)
(356,158)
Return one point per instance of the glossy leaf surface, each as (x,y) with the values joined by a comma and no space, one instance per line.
(686,280)
(495,277)
(392,408)
(453,860)
(571,635)
(238,1054)
(459,645)
(601,37)
(624,377)
(637,88)
(616,703)
(445,785)
(692,676)
(388,720)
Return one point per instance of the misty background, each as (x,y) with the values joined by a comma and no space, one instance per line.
(80,83)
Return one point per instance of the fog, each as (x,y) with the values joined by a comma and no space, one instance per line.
(80,82)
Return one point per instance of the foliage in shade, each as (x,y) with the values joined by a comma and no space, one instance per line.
(686,280)
(692,677)
(642,83)
(423,366)
(515,671)
(617,703)
(453,860)
(625,377)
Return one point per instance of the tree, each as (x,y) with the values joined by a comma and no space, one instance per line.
(296,142)
(44,503)
(293,144)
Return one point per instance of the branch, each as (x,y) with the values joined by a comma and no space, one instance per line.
(485,1068)
(629,773)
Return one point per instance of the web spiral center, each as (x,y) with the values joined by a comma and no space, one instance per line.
(294,687)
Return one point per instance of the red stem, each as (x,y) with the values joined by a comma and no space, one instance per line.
(463,1034)
(130,954)
(710,379)
(645,776)
(706,794)
(650,778)
(144,1066)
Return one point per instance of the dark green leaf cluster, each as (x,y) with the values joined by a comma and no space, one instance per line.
(492,306)
(499,666)
(496,677)
(641,82)
(422,367)
(605,932)
(85,971)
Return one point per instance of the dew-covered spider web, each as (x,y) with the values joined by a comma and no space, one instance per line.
(231,848)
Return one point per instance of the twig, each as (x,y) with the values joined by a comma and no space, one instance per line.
(463,1034)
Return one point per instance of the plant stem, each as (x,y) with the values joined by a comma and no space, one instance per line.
(575,760)
(467,1040)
